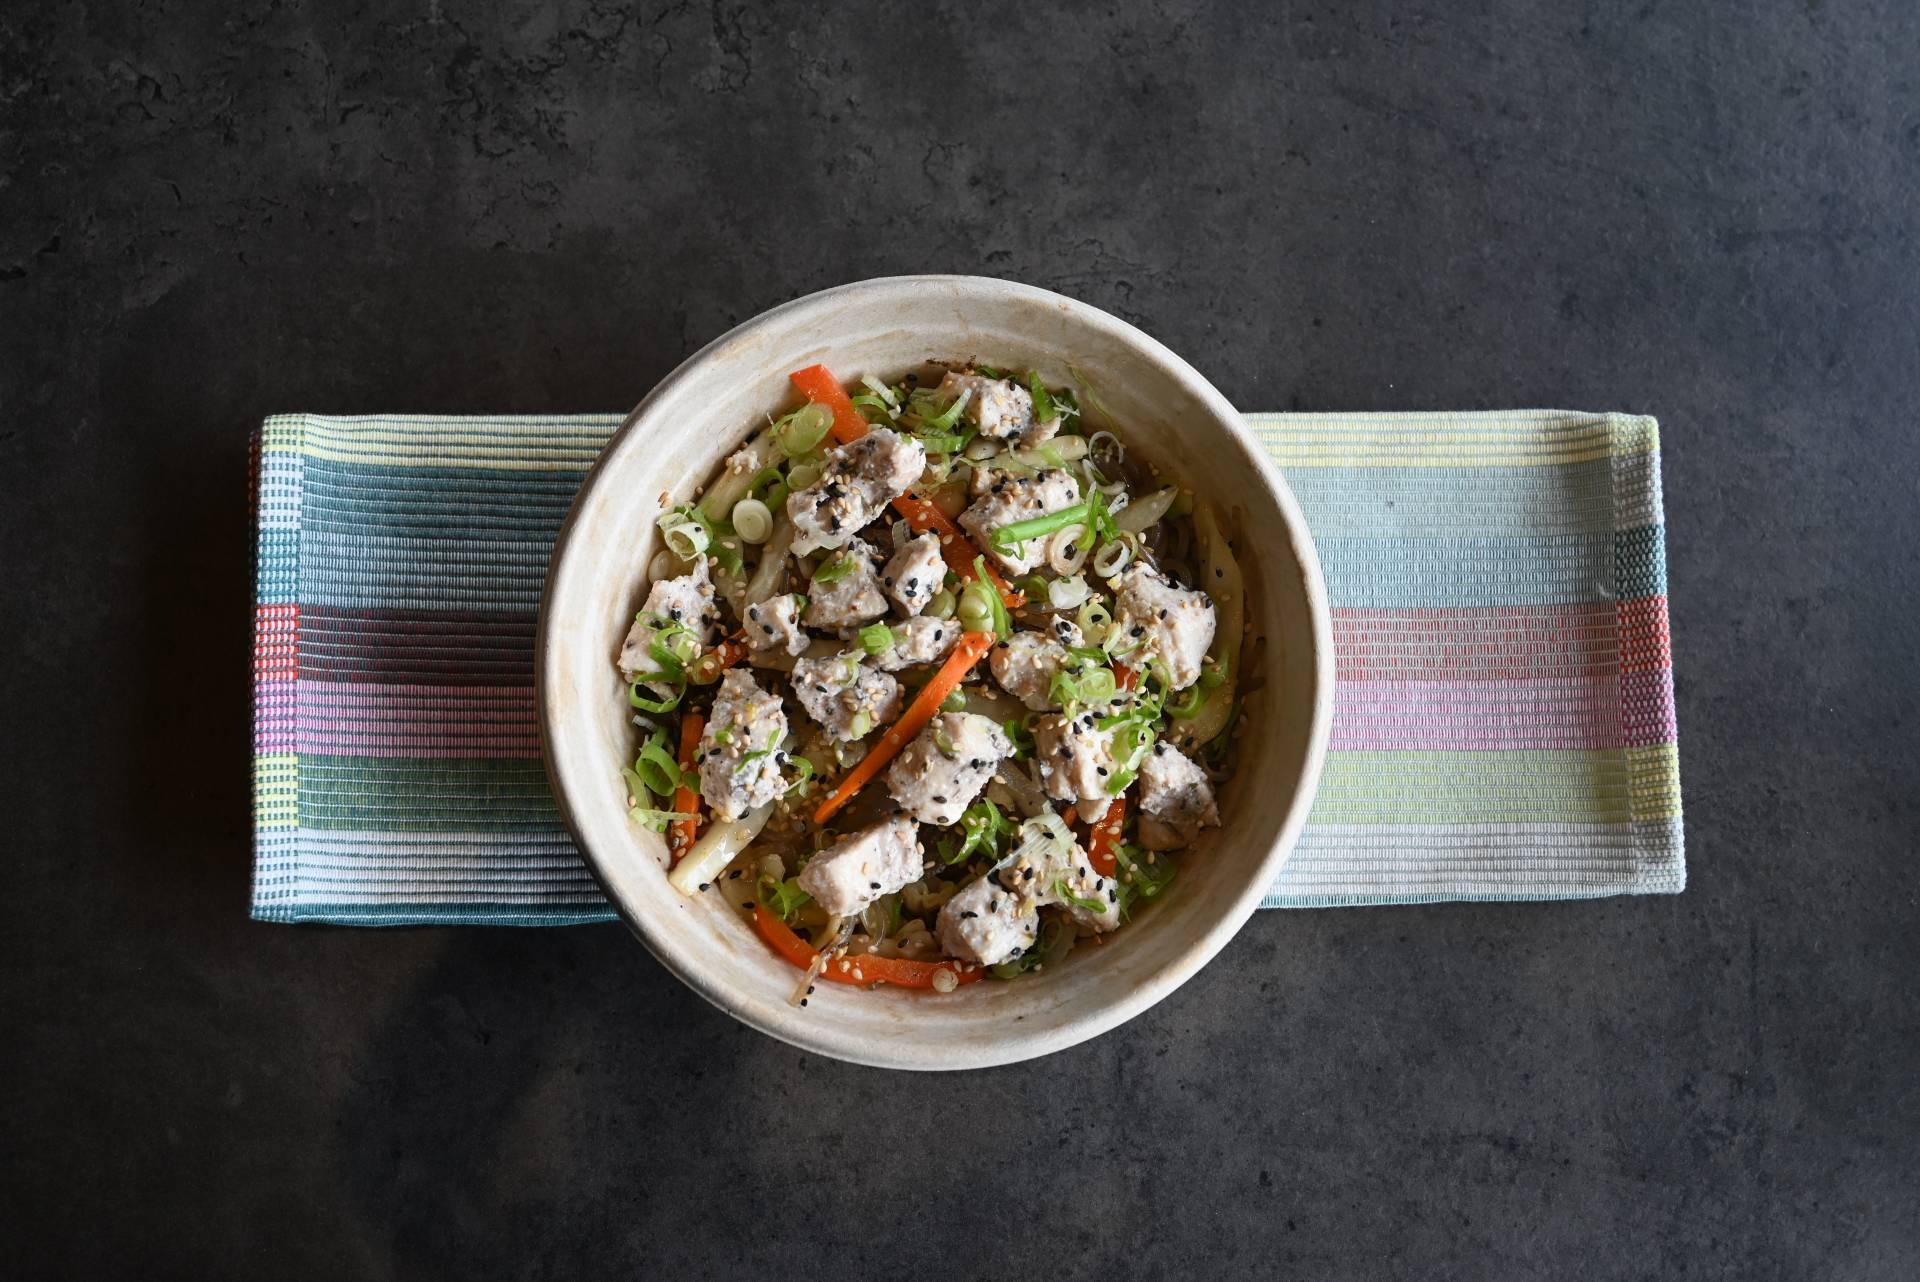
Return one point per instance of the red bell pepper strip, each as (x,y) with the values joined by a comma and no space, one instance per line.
(899,971)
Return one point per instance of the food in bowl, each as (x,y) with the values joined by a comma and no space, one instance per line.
(934,680)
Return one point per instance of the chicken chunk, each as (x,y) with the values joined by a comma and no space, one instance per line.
(739,750)
(1076,761)
(774,624)
(857,482)
(853,599)
(915,573)
(1176,799)
(1000,408)
(861,867)
(987,925)
(1008,498)
(1161,623)
(1026,663)
(846,696)
(919,640)
(938,775)
(1059,872)
(686,600)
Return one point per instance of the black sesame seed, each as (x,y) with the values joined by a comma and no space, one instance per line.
(873,885)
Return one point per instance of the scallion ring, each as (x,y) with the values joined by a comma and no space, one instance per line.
(752,521)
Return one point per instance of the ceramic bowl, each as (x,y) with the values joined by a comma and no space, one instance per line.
(679,436)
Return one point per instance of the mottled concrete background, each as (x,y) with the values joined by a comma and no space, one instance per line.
(1704,212)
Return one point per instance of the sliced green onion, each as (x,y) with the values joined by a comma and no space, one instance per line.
(1079,689)
(1065,594)
(1042,402)
(955,702)
(799,787)
(655,768)
(654,819)
(942,605)
(1011,536)
(1095,621)
(752,520)
(781,898)
(876,638)
(648,704)
(949,416)
(1120,781)
(880,390)
(686,535)
(802,430)
(1089,905)
(862,723)
(1112,557)
(1058,452)
(833,571)
(804,473)
(976,606)
(941,442)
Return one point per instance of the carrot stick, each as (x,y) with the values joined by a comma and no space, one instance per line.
(902,971)
(817,384)
(972,648)
(1104,840)
(686,801)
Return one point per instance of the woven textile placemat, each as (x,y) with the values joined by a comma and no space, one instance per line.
(1503,725)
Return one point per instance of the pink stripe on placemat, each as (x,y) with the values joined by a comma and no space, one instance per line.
(1564,713)
(1502,643)
(373,720)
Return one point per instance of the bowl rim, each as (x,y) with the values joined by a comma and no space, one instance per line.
(818,1036)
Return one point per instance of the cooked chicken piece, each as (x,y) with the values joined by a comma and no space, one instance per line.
(1026,663)
(1076,761)
(1061,874)
(1159,622)
(938,775)
(986,924)
(774,624)
(919,640)
(1008,498)
(846,696)
(686,600)
(861,867)
(1000,408)
(739,750)
(1176,799)
(853,599)
(857,482)
(915,573)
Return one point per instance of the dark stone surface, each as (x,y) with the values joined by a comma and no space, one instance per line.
(208,213)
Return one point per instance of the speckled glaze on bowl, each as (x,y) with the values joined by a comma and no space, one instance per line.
(677,438)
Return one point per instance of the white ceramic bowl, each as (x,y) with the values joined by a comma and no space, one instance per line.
(677,438)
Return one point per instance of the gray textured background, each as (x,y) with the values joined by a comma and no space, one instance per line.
(1698,211)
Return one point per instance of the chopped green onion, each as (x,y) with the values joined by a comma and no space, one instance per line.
(1088,905)
(955,702)
(1138,878)
(949,416)
(873,409)
(686,534)
(802,430)
(1121,780)
(833,571)
(1042,403)
(752,520)
(881,390)
(799,787)
(1078,689)
(782,898)
(942,605)
(655,768)
(648,704)
(941,442)
(860,725)
(1020,737)
(803,474)
(876,638)
(1009,537)
(1095,621)
(654,819)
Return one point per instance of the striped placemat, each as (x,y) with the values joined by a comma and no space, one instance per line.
(1503,728)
